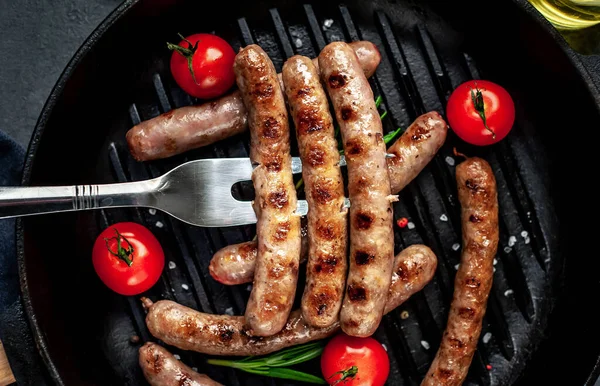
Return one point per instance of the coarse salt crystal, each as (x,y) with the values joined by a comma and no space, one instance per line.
(195,369)
(249,287)
(172,265)
(185,287)
(512,241)
(507,249)
(508,292)
(455,246)
(450,161)
(384,346)
(298,43)
(425,344)
(527,240)
(524,234)
(327,23)
(444,217)
(177,357)
(456,266)
(494,269)
(410,225)
(152,211)
(159,224)
(487,337)
(229,311)
(495,261)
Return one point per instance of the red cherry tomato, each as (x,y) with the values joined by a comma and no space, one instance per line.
(475,99)
(128,258)
(351,361)
(202,65)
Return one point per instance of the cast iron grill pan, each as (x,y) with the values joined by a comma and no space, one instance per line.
(415,76)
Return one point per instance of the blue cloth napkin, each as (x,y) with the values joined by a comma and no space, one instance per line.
(16,337)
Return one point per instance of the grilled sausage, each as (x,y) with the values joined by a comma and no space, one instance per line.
(191,127)
(371,233)
(188,329)
(235,264)
(161,368)
(324,187)
(479,212)
(278,224)
(415,148)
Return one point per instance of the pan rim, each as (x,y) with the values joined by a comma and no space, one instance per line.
(41,345)
(55,94)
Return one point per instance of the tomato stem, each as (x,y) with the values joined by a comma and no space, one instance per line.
(187,53)
(477,98)
(124,254)
(347,375)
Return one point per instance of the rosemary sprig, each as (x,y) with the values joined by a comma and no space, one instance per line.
(277,365)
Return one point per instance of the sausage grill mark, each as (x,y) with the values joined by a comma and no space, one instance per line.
(326,264)
(271,128)
(337,80)
(278,199)
(282,231)
(347,113)
(315,156)
(363,258)
(308,122)
(364,220)
(357,293)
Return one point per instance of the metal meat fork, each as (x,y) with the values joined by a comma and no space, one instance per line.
(196,192)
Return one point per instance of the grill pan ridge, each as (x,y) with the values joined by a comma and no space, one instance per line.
(415,76)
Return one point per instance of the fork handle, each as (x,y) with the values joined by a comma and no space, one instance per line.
(25,201)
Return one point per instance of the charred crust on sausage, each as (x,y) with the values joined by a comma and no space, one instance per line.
(326,230)
(363,220)
(466,313)
(273,164)
(271,128)
(472,282)
(421,133)
(278,199)
(325,264)
(347,113)
(354,147)
(282,231)
(356,293)
(303,91)
(263,90)
(337,80)
(315,155)
(475,219)
(226,334)
(322,193)
(309,121)
(363,257)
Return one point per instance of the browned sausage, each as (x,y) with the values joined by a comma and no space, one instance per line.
(324,187)
(415,148)
(371,233)
(190,127)
(235,264)
(189,329)
(278,224)
(479,211)
(161,368)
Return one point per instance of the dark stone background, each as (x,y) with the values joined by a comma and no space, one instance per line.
(37,40)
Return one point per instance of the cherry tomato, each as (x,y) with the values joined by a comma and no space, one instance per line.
(351,361)
(128,258)
(480,112)
(202,65)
